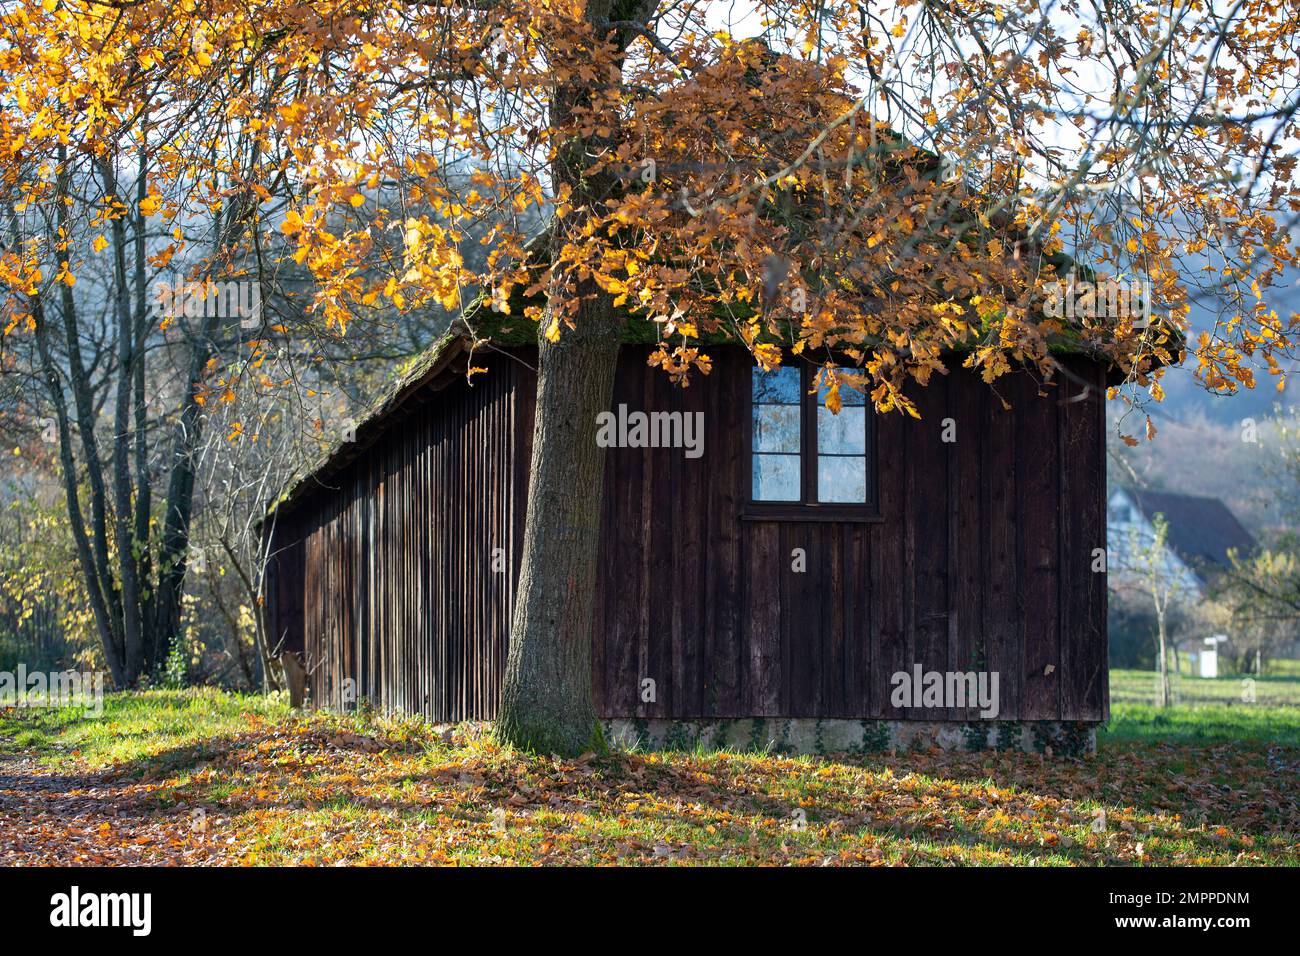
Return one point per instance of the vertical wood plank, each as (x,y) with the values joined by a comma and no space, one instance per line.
(1037,461)
(1084,691)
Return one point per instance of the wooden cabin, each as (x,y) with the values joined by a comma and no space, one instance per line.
(772,586)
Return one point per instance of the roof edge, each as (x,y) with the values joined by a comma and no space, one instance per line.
(372,424)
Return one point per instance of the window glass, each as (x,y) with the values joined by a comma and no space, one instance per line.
(776,428)
(842,447)
(842,478)
(777,438)
(835,452)
(842,434)
(776,478)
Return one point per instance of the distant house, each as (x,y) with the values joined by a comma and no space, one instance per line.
(1202,532)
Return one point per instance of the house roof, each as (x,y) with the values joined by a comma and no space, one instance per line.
(1201,530)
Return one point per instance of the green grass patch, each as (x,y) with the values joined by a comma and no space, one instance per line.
(1279,688)
(1203,723)
(1206,710)
(153,724)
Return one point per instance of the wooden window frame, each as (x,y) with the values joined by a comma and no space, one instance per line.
(806,509)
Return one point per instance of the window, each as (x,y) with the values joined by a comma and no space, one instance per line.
(777,426)
(802,454)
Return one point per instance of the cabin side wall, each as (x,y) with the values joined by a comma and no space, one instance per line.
(980,559)
(403,568)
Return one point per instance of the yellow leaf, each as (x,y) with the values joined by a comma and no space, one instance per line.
(833,400)
(768,356)
(99,243)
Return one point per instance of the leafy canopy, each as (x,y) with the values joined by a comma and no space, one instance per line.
(888,181)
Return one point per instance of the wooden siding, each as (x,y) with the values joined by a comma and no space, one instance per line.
(978,557)
(406,599)
(284,590)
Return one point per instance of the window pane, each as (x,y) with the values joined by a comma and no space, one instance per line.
(776,478)
(776,428)
(841,479)
(842,434)
(779,386)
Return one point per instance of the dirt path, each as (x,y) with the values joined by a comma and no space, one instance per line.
(50,818)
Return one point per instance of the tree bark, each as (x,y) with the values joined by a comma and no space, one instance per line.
(153,661)
(1163,661)
(546,702)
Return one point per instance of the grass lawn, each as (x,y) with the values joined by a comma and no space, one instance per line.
(205,777)
(1206,709)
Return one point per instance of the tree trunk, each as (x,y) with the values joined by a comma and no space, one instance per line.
(85,556)
(173,553)
(83,407)
(129,549)
(1163,660)
(178,508)
(546,703)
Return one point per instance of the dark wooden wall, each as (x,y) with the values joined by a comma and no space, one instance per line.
(284,591)
(403,590)
(978,558)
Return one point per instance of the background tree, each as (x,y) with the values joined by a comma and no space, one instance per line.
(1261,593)
(1155,594)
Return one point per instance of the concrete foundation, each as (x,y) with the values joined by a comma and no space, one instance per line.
(810,735)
